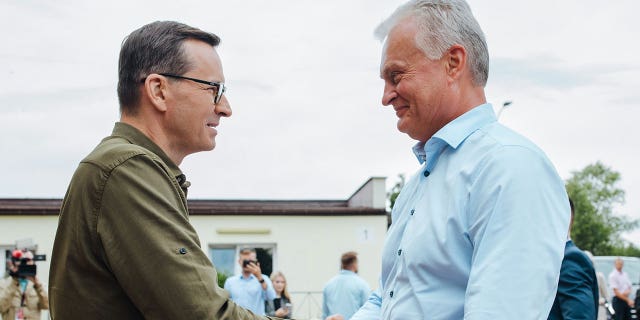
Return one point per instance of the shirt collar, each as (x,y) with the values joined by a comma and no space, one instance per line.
(251,276)
(135,136)
(454,133)
(345,271)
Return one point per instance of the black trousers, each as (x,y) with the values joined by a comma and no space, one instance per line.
(622,309)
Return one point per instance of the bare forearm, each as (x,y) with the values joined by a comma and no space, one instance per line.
(621,295)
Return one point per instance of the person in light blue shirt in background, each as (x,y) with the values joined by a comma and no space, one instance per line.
(345,293)
(251,288)
(479,231)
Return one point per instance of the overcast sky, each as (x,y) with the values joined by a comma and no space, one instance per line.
(303,76)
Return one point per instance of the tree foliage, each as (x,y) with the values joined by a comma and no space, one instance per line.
(222,278)
(395,190)
(596,226)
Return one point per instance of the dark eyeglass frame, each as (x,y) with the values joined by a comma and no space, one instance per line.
(220,86)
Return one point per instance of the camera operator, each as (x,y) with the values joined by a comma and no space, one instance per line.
(251,288)
(22,296)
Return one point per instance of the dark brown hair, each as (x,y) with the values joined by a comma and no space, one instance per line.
(348,259)
(154,48)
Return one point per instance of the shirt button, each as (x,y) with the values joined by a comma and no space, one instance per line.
(413,211)
(426,173)
(400,252)
(391,294)
(182,251)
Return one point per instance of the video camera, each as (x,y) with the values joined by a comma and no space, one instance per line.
(23,259)
(26,270)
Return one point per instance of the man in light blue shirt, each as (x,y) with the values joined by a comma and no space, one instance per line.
(345,293)
(479,231)
(251,288)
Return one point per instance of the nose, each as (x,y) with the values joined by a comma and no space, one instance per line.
(223,108)
(388,94)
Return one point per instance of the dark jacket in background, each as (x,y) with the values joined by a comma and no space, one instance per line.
(577,296)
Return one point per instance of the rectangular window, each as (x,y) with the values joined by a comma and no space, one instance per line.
(225,257)
(5,256)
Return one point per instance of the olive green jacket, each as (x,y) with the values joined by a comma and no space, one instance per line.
(124,248)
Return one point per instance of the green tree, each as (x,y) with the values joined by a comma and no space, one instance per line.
(628,250)
(596,227)
(395,190)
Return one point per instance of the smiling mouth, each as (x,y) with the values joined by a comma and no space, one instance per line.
(400,111)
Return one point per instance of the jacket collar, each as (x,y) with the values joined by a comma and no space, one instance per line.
(135,136)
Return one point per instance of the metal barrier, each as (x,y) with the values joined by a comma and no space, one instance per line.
(307,305)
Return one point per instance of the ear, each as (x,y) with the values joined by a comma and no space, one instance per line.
(155,90)
(455,61)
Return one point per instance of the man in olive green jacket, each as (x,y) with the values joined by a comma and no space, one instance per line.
(124,248)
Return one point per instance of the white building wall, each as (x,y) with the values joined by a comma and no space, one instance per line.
(42,229)
(307,249)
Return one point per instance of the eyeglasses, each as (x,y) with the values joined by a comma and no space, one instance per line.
(218,87)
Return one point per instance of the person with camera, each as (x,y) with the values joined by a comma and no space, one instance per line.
(251,288)
(22,296)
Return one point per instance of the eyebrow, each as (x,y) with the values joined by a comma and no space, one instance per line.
(388,69)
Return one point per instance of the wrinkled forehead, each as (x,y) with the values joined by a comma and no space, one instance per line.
(399,44)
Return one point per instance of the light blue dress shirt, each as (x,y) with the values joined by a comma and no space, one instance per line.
(478,232)
(344,294)
(248,293)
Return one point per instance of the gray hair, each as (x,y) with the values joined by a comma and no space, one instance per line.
(154,48)
(442,24)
